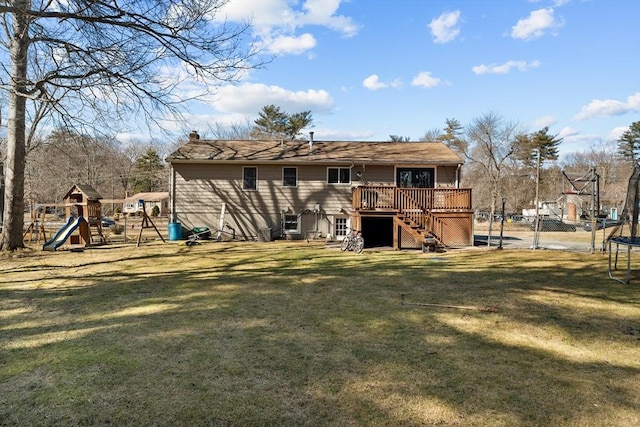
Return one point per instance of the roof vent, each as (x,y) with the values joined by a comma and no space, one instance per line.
(310,142)
(194,136)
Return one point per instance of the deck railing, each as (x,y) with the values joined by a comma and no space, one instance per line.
(407,199)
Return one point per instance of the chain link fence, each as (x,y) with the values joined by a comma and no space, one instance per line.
(520,233)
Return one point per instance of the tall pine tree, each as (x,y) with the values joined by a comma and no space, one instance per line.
(629,143)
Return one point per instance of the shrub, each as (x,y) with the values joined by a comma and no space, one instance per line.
(155,211)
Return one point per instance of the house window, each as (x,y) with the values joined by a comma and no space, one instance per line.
(291,224)
(249,178)
(415,177)
(341,227)
(339,175)
(289,177)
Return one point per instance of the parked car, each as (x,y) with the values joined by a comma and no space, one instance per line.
(602,223)
(107,222)
(553,225)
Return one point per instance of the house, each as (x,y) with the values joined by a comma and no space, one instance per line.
(400,194)
(131,205)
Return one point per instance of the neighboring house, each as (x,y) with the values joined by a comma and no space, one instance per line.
(399,194)
(132,205)
(570,207)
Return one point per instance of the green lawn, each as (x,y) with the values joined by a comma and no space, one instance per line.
(249,334)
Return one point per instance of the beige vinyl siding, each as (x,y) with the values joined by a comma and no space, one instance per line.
(202,188)
(446,176)
(385,175)
(373,175)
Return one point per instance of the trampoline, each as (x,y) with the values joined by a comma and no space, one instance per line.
(626,234)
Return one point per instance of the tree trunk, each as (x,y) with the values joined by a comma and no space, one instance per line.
(16,125)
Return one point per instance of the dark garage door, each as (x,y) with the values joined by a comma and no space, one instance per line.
(377,231)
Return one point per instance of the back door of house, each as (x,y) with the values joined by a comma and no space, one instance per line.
(415,177)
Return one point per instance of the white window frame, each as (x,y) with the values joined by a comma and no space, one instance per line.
(335,227)
(244,168)
(338,168)
(283,181)
(298,221)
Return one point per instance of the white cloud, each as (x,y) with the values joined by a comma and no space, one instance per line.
(616,133)
(534,26)
(202,122)
(573,140)
(505,68)
(445,28)
(609,107)
(373,83)
(127,138)
(568,132)
(241,104)
(554,2)
(249,98)
(263,14)
(425,79)
(323,12)
(543,121)
(291,45)
(275,21)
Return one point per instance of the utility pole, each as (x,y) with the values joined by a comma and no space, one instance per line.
(1,192)
(504,200)
(536,231)
(594,220)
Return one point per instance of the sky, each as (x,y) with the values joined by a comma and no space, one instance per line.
(368,69)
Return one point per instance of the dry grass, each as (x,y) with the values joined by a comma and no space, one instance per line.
(295,334)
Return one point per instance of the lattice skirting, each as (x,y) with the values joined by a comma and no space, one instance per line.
(457,229)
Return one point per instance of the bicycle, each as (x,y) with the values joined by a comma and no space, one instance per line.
(353,241)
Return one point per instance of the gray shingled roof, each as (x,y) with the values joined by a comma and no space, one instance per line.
(251,151)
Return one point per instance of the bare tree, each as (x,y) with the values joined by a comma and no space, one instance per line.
(488,143)
(65,158)
(235,130)
(431,135)
(96,64)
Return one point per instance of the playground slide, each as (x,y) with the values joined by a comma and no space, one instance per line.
(63,234)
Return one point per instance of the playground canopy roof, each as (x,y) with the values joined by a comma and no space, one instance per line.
(89,192)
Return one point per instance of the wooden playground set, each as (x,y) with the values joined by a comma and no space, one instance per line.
(83,227)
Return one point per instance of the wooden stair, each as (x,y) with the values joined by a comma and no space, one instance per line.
(420,233)
(418,221)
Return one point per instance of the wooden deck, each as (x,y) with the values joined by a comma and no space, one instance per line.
(401,199)
(443,215)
